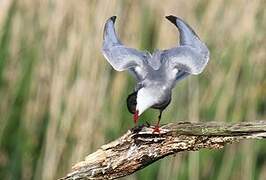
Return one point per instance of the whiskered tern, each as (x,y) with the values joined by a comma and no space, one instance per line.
(156,73)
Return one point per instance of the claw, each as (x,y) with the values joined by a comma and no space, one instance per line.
(156,129)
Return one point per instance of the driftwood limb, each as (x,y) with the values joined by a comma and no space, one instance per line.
(140,147)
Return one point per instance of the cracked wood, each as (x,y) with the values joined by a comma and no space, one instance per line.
(139,147)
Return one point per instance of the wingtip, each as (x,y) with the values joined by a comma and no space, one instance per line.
(113,18)
(171,18)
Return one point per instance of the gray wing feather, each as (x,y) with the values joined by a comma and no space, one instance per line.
(120,57)
(185,58)
(192,55)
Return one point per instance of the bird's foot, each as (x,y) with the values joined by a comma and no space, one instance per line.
(156,129)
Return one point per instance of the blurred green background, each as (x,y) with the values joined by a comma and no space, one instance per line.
(61,100)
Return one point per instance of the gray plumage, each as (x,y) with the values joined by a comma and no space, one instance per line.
(156,73)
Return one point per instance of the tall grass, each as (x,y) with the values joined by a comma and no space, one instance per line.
(60,100)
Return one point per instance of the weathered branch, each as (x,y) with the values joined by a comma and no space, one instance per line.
(140,147)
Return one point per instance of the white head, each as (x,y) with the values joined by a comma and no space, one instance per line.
(145,99)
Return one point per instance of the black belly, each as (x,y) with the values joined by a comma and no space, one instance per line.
(162,105)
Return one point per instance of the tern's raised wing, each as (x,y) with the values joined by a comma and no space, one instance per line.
(191,56)
(120,57)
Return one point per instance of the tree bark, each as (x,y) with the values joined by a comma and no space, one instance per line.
(140,146)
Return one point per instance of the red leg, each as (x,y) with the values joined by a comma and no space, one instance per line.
(157,126)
